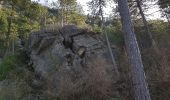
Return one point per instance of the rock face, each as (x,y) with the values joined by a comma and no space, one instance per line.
(73,60)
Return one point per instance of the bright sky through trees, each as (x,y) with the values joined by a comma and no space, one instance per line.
(153,13)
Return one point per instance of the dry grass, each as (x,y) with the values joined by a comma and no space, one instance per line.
(52,27)
(93,84)
(13,90)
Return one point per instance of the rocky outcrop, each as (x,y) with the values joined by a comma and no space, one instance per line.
(72,58)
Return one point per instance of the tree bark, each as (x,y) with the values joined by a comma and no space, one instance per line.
(107,39)
(112,56)
(9,32)
(146,24)
(140,85)
(13,46)
(62,16)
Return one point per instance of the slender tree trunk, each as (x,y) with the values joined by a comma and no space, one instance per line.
(101,13)
(62,16)
(13,46)
(62,4)
(146,24)
(9,32)
(45,21)
(107,39)
(66,15)
(140,85)
(9,26)
(154,45)
(111,54)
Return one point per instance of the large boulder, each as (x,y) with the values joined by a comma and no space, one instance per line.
(73,60)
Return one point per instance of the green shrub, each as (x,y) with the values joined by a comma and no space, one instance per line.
(96,28)
(11,62)
(115,34)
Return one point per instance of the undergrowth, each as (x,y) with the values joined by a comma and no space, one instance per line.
(11,62)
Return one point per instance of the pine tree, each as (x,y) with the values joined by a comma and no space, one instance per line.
(140,85)
(97,7)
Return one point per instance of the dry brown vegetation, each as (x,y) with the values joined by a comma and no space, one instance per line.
(94,84)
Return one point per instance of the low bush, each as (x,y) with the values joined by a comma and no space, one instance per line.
(11,62)
(115,34)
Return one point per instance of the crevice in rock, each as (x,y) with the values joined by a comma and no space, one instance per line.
(69,59)
(73,57)
(67,42)
(30,66)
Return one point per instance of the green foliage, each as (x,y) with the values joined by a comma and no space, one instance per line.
(3,24)
(14,25)
(115,34)
(97,10)
(27,8)
(96,28)
(77,19)
(96,6)
(8,63)
(11,62)
(160,29)
(13,32)
(3,30)
(72,12)
(25,25)
(37,12)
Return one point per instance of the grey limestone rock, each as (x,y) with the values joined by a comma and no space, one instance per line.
(70,54)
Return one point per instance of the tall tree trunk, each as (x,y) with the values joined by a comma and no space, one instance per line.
(9,32)
(66,15)
(101,13)
(146,24)
(62,16)
(9,26)
(13,46)
(154,45)
(111,54)
(45,20)
(140,85)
